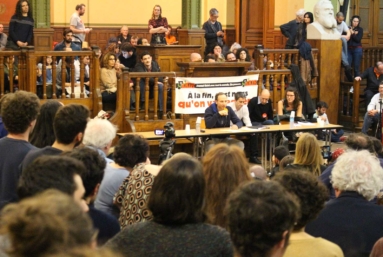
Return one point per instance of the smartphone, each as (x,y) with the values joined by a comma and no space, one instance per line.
(159,132)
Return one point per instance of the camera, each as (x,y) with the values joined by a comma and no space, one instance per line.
(169,130)
(326,152)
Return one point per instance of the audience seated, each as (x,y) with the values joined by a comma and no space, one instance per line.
(48,77)
(170,39)
(234,47)
(279,153)
(356,142)
(225,167)
(3,130)
(9,64)
(19,112)
(43,134)
(133,41)
(243,55)
(195,57)
(216,50)
(286,161)
(67,43)
(178,227)
(143,42)
(128,56)
(45,225)
(115,173)
(258,172)
(133,193)
(336,134)
(109,81)
(69,125)
(106,224)
(230,57)
(124,36)
(373,114)
(351,220)
(261,215)
(312,196)
(219,115)
(209,58)
(308,154)
(99,135)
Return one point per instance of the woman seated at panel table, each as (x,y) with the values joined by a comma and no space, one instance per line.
(290,103)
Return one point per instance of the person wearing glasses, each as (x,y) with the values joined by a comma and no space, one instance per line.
(109,81)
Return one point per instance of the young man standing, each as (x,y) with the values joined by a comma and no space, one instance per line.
(77,25)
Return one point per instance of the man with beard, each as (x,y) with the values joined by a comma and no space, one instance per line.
(324,22)
(77,25)
(67,42)
(68,125)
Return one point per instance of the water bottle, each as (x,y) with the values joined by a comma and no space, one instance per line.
(292,115)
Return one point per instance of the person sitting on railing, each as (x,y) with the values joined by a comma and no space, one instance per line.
(374,76)
(355,51)
(148,65)
(242,55)
(8,62)
(219,115)
(373,114)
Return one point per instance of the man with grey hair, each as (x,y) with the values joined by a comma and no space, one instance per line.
(351,220)
(290,29)
(99,135)
(3,38)
(213,31)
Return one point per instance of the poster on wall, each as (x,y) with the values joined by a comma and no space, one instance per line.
(7,9)
(194,95)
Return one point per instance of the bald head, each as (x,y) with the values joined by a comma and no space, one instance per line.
(258,172)
(265,96)
(195,57)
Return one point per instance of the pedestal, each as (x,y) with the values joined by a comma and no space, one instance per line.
(329,64)
(192,37)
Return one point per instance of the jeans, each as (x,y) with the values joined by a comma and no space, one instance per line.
(254,137)
(354,58)
(368,121)
(151,88)
(344,52)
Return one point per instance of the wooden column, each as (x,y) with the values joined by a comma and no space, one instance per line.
(192,37)
(329,62)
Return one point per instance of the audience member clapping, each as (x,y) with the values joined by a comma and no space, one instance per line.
(225,167)
(312,196)
(351,220)
(177,229)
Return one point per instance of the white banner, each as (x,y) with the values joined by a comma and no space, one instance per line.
(194,95)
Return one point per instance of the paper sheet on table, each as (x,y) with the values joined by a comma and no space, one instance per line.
(305,123)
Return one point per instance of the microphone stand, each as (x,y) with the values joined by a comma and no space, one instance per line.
(378,133)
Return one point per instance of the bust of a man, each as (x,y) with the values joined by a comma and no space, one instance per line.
(324,25)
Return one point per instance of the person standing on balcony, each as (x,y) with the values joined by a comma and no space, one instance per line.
(77,25)
(374,76)
(213,31)
(158,26)
(3,38)
(355,50)
(21,26)
(290,29)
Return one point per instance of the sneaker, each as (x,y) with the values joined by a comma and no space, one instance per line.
(342,138)
(255,160)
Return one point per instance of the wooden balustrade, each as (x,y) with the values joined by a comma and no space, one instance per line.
(371,55)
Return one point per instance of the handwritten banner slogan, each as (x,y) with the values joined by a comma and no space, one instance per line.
(194,95)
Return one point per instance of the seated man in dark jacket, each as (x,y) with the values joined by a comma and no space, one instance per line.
(374,76)
(148,65)
(219,115)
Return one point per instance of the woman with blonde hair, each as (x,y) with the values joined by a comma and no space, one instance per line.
(225,167)
(308,154)
(158,26)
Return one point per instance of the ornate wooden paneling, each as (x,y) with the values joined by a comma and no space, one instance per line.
(43,39)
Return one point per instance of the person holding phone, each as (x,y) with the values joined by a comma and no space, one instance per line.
(213,31)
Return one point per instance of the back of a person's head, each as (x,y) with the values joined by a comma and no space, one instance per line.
(50,172)
(18,110)
(280,152)
(86,252)
(225,167)
(99,133)
(43,134)
(377,144)
(359,141)
(312,194)
(48,223)
(358,171)
(69,121)
(177,195)
(95,165)
(308,152)
(289,159)
(258,172)
(131,150)
(260,215)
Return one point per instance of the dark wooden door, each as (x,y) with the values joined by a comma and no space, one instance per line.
(371,14)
